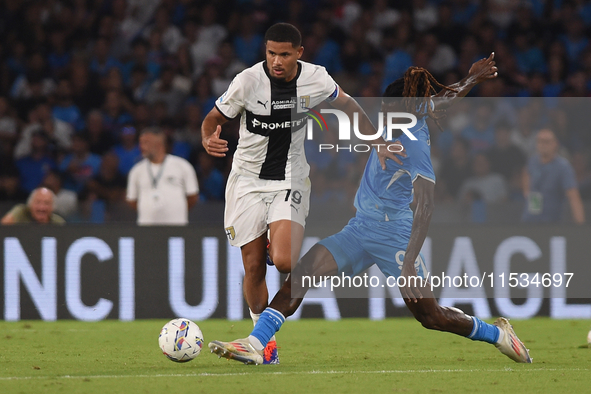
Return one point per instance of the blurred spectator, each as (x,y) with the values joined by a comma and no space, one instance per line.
(483,184)
(65,201)
(184,63)
(114,114)
(212,183)
(525,23)
(142,116)
(25,105)
(159,113)
(109,184)
(10,188)
(39,209)
(328,51)
(114,81)
(524,135)
(174,146)
(229,62)
(464,11)
(140,60)
(138,13)
(455,169)
(162,188)
(106,191)
(101,62)
(64,108)
(548,180)
(424,14)
(248,43)
(216,75)
(165,89)
(479,133)
(441,56)
(384,16)
(86,92)
(58,58)
(140,84)
(191,130)
(99,139)
(80,165)
(127,151)
(156,52)
(58,132)
(506,158)
(447,29)
(203,95)
(209,36)
(170,34)
(501,12)
(529,57)
(17,61)
(34,167)
(8,124)
(397,59)
(36,74)
(575,40)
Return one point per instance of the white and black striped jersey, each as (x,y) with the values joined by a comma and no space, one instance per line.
(273,119)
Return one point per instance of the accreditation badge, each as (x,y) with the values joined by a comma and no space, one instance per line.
(535,203)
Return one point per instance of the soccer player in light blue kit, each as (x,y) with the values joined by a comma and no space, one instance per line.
(385,227)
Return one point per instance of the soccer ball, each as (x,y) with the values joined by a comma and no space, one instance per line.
(180,340)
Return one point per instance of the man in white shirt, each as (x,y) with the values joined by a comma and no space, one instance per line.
(162,187)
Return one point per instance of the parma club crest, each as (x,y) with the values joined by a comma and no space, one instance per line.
(230,233)
(304,102)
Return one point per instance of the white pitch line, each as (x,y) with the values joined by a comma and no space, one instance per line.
(207,374)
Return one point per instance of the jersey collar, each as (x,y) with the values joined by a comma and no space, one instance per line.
(280,82)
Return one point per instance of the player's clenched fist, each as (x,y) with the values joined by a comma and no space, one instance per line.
(214,145)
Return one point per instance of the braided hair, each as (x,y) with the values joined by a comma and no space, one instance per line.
(416,87)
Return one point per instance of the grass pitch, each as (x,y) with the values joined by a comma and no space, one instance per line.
(348,356)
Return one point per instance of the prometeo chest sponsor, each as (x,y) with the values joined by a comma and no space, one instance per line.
(263,125)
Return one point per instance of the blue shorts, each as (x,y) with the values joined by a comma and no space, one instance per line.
(365,242)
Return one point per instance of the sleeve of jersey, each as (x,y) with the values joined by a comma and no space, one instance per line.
(331,90)
(231,103)
(132,189)
(569,179)
(420,153)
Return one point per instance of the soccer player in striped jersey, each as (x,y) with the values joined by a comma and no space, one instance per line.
(268,188)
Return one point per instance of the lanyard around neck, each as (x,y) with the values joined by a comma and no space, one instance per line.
(156,179)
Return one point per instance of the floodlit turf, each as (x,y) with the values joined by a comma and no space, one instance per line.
(348,356)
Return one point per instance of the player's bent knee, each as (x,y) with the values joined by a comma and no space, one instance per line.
(283,266)
(282,261)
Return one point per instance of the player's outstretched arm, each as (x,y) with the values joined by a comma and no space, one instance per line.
(210,133)
(424,191)
(481,71)
(387,149)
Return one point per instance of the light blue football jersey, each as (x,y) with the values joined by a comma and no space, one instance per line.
(386,195)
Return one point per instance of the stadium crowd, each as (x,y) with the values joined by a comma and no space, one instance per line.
(81,78)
